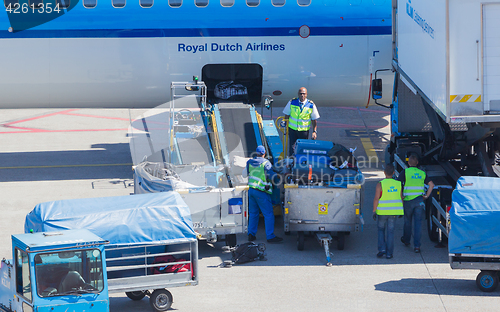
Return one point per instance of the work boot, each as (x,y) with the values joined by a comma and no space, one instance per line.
(251,237)
(275,239)
(381,254)
(403,241)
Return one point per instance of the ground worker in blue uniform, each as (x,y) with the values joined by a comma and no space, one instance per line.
(414,180)
(260,172)
(387,205)
(301,114)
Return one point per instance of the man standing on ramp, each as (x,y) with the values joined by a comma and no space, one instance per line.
(300,113)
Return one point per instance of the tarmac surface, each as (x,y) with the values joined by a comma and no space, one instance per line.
(54,154)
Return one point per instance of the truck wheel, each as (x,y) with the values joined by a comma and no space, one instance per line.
(432,229)
(300,240)
(340,240)
(231,240)
(388,157)
(161,300)
(487,281)
(135,295)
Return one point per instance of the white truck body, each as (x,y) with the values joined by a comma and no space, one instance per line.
(449,51)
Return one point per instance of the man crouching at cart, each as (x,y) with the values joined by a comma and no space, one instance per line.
(387,205)
(259,172)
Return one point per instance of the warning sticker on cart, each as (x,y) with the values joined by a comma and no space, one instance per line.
(322,209)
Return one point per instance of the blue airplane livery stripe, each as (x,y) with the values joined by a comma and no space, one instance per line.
(190,32)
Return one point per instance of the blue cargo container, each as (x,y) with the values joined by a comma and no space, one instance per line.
(473,239)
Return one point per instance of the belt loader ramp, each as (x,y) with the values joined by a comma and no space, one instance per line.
(209,144)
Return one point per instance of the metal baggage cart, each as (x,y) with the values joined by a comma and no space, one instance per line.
(473,243)
(323,211)
(149,235)
(136,269)
(323,193)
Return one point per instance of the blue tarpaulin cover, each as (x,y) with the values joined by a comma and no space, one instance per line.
(122,220)
(475,216)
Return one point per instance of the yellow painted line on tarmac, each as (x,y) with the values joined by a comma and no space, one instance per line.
(369,149)
(65,166)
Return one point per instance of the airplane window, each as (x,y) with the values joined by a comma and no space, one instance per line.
(146,3)
(63,3)
(118,3)
(201,3)
(253,3)
(278,2)
(378,2)
(354,2)
(227,3)
(36,3)
(89,3)
(304,2)
(175,3)
(13,3)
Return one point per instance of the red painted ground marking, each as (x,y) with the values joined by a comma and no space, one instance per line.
(47,131)
(38,117)
(95,116)
(350,127)
(64,112)
(366,110)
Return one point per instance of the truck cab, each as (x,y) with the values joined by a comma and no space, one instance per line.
(55,271)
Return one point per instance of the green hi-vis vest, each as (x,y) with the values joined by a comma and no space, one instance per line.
(390,203)
(414,183)
(257,178)
(300,119)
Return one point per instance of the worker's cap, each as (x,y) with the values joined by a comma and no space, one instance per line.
(260,150)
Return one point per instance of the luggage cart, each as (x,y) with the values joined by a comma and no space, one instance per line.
(151,242)
(473,242)
(143,270)
(322,211)
(320,197)
(489,265)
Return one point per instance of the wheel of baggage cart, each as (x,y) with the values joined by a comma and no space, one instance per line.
(487,280)
(340,240)
(135,295)
(161,300)
(231,240)
(300,240)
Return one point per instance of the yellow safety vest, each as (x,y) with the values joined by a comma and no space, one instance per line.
(414,183)
(257,178)
(300,119)
(390,203)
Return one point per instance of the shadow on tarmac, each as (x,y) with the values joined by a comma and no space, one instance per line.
(103,161)
(448,287)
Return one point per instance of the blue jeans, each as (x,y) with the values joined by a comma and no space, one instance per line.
(260,201)
(414,209)
(386,244)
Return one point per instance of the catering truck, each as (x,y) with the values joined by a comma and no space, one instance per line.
(446,98)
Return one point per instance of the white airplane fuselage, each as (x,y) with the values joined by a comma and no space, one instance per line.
(105,57)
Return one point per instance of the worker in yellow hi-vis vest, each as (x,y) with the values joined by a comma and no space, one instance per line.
(414,181)
(387,205)
(301,114)
(260,174)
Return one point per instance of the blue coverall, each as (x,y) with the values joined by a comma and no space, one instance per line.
(258,200)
